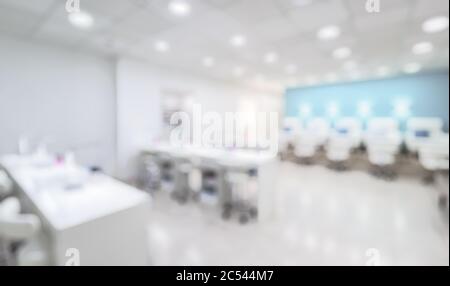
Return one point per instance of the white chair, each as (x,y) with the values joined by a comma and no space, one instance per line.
(420,130)
(351,128)
(305,147)
(5,185)
(319,128)
(382,140)
(434,155)
(291,129)
(345,137)
(338,150)
(20,228)
(311,138)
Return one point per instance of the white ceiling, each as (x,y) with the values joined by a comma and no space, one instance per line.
(131,27)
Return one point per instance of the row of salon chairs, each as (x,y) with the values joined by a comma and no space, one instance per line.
(19,232)
(381,138)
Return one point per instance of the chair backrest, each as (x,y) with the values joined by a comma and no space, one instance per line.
(13,224)
(9,207)
(291,125)
(319,125)
(383,125)
(424,127)
(383,131)
(349,124)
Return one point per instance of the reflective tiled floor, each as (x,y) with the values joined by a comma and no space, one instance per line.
(322,218)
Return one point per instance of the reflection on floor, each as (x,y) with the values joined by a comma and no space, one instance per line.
(323,218)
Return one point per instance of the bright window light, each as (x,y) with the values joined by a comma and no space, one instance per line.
(422,48)
(329,32)
(180,8)
(81,20)
(342,53)
(435,24)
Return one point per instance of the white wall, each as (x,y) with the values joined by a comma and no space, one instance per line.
(64,97)
(107,111)
(139,96)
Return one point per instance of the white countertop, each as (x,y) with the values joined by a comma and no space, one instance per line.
(63,208)
(224,157)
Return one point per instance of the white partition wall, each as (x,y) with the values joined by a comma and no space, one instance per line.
(140,91)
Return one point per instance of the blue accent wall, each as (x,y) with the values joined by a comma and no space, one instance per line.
(402,97)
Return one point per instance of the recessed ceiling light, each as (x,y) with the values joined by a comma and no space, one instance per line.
(238,40)
(238,71)
(208,61)
(435,24)
(412,68)
(180,7)
(162,46)
(383,71)
(82,20)
(342,53)
(422,48)
(329,32)
(291,69)
(271,58)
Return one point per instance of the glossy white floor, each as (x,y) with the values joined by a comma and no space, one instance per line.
(323,218)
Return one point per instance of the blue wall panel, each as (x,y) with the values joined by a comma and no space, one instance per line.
(401,97)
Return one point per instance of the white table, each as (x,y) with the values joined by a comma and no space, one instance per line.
(105,219)
(264,162)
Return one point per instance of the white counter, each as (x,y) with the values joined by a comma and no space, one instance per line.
(264,162)
(104,219)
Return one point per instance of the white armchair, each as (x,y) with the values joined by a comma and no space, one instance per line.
(421,130)
(345,137)
(434,155)
(16,227)
(306,146)
(312,138)
(383,140)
